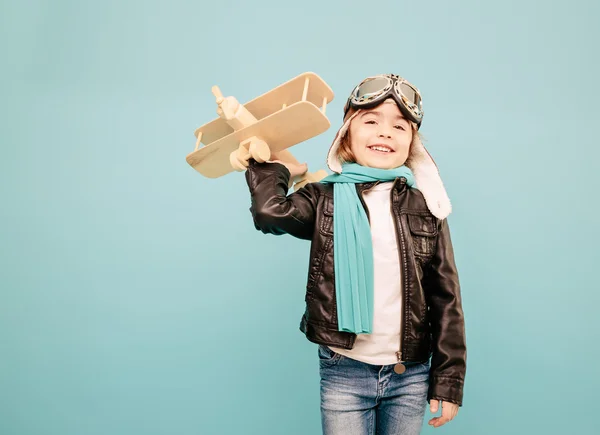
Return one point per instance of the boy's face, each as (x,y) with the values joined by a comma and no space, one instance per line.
(382,127)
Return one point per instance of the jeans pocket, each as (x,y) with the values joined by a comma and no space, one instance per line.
(328,356)
(427,364)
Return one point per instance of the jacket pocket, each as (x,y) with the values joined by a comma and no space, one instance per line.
(423,231)
(326,226)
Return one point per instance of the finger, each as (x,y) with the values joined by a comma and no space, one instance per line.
(300,170)
(438,421)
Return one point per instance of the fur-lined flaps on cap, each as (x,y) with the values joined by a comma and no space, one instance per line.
(420,162)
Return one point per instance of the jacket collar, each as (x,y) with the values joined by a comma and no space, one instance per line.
(399,184)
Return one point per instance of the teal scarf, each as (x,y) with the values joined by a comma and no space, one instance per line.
(353,245)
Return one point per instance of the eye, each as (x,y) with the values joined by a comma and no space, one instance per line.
(370,122)
(401,126)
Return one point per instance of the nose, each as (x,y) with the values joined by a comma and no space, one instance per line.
(384,130)
(384,134)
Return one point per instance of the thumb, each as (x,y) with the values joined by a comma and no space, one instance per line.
(301,169)
(433,406)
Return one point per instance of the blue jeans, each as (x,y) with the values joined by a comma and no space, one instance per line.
(358,398)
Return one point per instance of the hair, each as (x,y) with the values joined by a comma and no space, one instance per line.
(345,154)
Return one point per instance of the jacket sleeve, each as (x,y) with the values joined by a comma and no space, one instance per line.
(273,211)
(448,363)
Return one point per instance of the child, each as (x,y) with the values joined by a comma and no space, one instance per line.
(382,293)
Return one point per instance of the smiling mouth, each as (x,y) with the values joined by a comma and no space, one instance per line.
(380,149)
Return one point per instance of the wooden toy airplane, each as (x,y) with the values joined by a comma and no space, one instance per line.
(263,128)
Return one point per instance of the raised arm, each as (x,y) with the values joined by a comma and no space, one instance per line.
(275,212)
(448,363)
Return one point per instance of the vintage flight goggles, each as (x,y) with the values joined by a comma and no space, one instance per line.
(373,90)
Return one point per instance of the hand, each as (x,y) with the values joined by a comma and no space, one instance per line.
(449,411)
(295,170)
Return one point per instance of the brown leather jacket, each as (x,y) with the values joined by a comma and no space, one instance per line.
(432,319)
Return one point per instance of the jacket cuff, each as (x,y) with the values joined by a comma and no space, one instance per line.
(445,388)
(268,168)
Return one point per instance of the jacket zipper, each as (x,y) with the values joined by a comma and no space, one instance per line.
(399,368)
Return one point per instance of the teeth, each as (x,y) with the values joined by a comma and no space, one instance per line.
(387,150)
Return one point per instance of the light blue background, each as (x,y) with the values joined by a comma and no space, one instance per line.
(136,295)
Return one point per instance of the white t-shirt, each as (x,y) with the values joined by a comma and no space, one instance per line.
(381,345)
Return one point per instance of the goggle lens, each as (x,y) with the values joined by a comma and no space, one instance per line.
(411,95)
(371,88)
